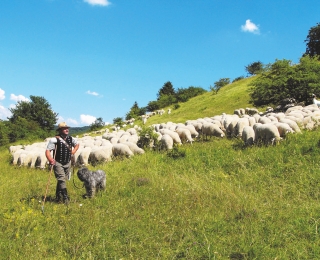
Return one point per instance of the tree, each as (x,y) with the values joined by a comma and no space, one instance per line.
(254,68)
(167,89)
(135,111)
(152,106)
(25,129)
(184,94)
(285,80)
(118,121)
(313,41)
(166,100)
(4,133)
(37,110)
(97,124)
(219,84)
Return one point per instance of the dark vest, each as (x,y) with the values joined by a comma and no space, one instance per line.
(63,153)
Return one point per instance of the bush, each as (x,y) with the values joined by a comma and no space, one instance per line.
(176,106)
(147,137)
(283,80)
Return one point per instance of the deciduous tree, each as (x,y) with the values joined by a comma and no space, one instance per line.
(37,110)
(254,68)
(97,124)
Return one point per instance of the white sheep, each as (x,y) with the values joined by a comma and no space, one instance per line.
(264,120)
(210,129)
(315,101)
(166,142)
(291,123)
(267,133)
(101,154)
(248,135)
(120,149)
(192,129)
(174,135)
(84,156)
(184,134)
(134,148)
(14,148)
(240,125)
(230,129)
(283,128)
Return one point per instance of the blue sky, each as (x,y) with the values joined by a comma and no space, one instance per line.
(95,58)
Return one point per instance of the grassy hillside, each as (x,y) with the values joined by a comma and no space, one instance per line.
(220,201)
(229,98)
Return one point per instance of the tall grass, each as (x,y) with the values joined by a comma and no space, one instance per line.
(219,201)
(210,200)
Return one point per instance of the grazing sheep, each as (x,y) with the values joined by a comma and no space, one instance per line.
(84,156)
(240,125)
(134,148)
(174,135)
(251,120)
(101,154)
(283,129)
(291,123)
(230,129)
(184,134)
(267,133)
(14,148)
(251,111)
(120,149)
(264,120)
(16,156)
(41,161)
(192,130)
(166,142)
(210,129)
(124,138)
(248,135)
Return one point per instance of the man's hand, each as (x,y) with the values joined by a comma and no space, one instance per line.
(52,161)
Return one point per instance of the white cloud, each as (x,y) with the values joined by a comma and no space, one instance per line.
(92,93)
(18,98)
(250,27)
(87,119)
(60,119)
(98,2)
(4,113)
(2,96)
(72,122)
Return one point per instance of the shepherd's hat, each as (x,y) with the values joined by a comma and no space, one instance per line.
(62,125)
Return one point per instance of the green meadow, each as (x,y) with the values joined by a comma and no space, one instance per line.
(215,199)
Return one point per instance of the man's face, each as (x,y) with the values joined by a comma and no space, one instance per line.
(65,130)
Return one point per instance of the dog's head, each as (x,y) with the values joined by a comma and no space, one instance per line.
(83,174)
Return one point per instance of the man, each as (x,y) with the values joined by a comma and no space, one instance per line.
(60,159)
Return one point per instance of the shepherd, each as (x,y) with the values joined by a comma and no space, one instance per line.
(61,145)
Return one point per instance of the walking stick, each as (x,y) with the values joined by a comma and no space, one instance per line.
(47,188)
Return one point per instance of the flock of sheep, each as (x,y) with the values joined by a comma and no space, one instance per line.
(248,124)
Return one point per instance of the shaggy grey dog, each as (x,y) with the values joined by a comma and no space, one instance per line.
(93,181)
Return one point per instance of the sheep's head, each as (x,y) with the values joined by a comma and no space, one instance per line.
(313,95)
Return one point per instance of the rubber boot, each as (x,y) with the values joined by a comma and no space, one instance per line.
(65,197)
(58,194)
